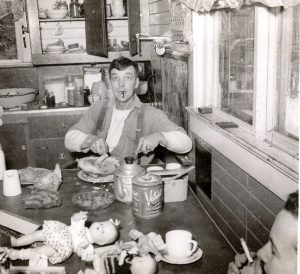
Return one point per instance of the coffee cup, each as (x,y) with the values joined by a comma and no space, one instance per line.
(180,244)
(11,183)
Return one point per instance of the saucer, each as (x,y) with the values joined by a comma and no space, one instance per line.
(100,179)
(193,258)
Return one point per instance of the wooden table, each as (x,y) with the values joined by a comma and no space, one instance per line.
(188,215)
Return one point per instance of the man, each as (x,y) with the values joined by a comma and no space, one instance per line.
(279,255)
(123,126)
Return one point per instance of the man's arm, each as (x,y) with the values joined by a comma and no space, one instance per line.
(177,141)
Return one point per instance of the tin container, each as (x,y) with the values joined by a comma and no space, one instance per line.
(123,179)
(147,196)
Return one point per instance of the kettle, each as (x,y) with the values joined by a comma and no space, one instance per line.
(117,8)
(123,179)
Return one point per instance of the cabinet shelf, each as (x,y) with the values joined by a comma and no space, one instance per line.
(62,20)
(117,18)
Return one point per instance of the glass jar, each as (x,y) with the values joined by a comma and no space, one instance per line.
(62,5)
(74,8)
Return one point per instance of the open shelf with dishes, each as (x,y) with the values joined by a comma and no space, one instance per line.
(71,39)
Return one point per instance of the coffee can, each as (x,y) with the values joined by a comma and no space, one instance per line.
(147,196)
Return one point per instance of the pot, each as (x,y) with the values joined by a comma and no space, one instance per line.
(123,179)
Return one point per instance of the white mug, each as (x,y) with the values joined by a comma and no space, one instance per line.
(180,244)
(11,183)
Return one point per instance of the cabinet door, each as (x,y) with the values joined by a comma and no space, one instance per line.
(56,126)
(13,141)
(48,152)
(95,27)
(134,24)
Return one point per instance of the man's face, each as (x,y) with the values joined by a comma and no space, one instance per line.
(280,254)
(123,84)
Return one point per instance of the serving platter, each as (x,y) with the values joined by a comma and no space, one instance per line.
(99,179)
(191,259)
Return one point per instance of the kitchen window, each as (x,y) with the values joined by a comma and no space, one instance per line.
(246,66)
(14,38)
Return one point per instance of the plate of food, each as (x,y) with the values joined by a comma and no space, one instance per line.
(98,166)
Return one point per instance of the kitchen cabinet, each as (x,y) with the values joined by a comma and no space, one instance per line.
(92,32)
(37,139)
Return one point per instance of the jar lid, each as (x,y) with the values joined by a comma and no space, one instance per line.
(129,168)
(147,179)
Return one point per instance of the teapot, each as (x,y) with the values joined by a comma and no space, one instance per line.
(123,179)
(117,8)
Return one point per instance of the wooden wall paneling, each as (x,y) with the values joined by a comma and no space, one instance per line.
(175,90)
(145,25)
(159,6)
(162,18)
(160,30)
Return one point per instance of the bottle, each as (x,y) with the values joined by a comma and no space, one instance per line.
(78,97)
(86,93)
(70,86)
(2,163)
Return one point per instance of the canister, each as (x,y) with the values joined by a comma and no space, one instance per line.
(123,179)
(147,196)
(91,75)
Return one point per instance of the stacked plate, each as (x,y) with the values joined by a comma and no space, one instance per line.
(55,49)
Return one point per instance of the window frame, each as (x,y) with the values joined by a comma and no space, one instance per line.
(24,54)
(206,81)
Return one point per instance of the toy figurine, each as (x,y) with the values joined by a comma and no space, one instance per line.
(61,240)
(150,243)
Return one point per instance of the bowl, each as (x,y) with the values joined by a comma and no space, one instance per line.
(55,49)
(15,97)
(56,14)
(93,98)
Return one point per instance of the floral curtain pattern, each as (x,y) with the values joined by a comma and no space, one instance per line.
(11,7)
(207,5)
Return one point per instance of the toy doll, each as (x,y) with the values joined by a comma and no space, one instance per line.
(61,240)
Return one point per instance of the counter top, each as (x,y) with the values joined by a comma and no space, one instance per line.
(188,215)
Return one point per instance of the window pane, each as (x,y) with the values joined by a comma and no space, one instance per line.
(8,45)
(288,74)
(236,59)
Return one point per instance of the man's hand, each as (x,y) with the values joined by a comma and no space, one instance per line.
(149,143)
(240,260)
(99,146)
(95,144)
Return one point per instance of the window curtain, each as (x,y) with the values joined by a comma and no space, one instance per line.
(11,7)
(207,5)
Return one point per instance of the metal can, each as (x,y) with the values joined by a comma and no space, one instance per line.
(147,196)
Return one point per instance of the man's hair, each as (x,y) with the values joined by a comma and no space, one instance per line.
(122,63)
(291,204)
